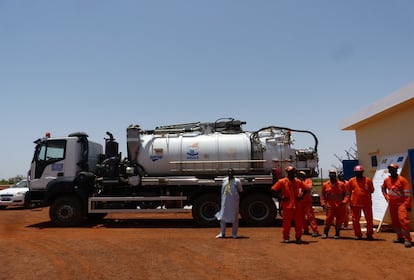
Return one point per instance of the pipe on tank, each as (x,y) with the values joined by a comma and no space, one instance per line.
(133,142)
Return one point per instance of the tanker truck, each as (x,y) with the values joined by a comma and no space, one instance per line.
(172,168)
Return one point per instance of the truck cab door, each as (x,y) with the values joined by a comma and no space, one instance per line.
(52,159)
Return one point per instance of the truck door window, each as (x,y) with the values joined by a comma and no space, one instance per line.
(52,151)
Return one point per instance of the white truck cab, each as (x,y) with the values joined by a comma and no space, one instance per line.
(61,157)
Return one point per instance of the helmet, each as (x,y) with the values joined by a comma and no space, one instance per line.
(332,171)
(302,174)
(289,168)
(393,165)
(358,168)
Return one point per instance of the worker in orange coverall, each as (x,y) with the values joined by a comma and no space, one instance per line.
(360,189)
(396,191)
(348,217)
(333,199)
(309,219)
(292,190)
(276,174)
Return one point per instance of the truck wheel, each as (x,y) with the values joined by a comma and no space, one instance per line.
(258,210)
(205,208)
(27,203)
(66,211)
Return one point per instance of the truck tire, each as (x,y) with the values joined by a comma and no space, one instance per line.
(27,204)
(258,210)
(205,208)
(66,211)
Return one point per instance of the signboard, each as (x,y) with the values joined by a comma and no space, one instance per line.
(379,204)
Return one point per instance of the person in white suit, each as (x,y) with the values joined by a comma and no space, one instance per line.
(230,198)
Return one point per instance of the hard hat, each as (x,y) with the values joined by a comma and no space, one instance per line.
(358,168)
(302,175)
(332,171)
(290,168)
(393,165)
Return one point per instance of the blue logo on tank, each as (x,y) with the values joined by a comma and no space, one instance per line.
(192,154)
(155,158)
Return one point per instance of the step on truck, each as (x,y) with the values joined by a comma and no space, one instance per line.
(173,168)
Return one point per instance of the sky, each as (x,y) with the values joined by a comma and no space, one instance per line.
(99,65)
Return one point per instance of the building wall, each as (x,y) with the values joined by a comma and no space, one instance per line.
(390,133)
(385,128)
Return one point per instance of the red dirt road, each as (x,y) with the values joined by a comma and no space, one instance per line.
(172,246)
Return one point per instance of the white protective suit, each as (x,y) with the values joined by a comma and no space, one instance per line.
(229,211)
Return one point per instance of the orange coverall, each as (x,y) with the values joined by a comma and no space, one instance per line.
(347,218)
(308,214)
(398,194)
(334,197)
(361,200)
(292,191)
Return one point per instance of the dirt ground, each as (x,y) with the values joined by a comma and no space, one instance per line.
(172,246)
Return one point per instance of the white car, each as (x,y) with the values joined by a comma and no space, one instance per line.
(14,195)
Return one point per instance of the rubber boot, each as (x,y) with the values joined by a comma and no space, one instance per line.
(337,231)
(325,232)
(399,240)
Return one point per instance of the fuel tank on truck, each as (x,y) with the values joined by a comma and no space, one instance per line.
(209,149)
(195,154)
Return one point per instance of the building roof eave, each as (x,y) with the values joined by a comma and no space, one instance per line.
(380,108)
